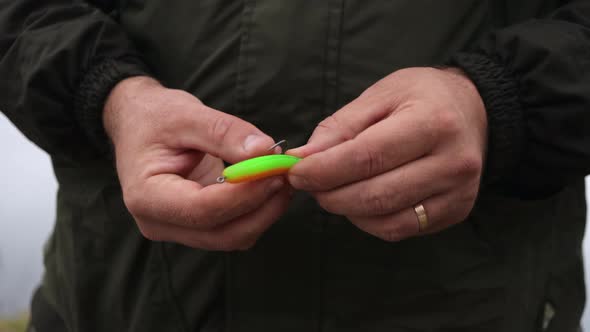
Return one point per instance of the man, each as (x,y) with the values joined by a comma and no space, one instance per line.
(441,189)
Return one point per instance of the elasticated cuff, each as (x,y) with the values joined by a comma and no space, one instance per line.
(499,91)
(94,88)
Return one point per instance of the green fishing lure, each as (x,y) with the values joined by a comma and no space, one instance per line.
(258,168)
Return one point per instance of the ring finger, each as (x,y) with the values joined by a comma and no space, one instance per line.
(389,192)
(441,212)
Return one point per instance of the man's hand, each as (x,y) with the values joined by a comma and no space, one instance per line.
(169,149)
(417,136)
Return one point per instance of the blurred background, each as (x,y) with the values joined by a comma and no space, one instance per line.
(27,211)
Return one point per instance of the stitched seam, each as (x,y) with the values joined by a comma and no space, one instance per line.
(332,61)
(244,58)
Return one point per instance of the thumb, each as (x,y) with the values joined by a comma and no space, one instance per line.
(343,125)
(225,136)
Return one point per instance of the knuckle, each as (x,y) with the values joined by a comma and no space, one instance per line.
(446,123)
(378,86)
(369,161)
(468,165)
(219,128)
(383,85)
(374,202)
(328,123)
(135,203)
(332,124)
(374,90)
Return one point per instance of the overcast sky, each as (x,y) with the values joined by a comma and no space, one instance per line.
(27,210)
(27,199)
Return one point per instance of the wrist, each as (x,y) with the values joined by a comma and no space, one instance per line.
(464,81)
(95,84)
(122,94)
(500,92)
(475,107)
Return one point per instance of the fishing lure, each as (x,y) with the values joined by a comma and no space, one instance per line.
(259,167)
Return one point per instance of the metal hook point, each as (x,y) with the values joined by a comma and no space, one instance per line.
(277,144)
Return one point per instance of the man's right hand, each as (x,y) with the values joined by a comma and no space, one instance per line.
(169,149)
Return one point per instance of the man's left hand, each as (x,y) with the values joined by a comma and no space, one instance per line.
(418,136)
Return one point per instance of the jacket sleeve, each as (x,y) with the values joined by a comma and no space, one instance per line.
(58,61)
(534,78)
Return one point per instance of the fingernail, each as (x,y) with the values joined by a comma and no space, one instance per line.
(294,152)
(298,182)
(276,184)
(253,142)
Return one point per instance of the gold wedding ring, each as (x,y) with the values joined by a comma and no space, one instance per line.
(422,217)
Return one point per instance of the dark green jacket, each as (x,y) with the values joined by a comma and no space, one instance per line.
(514,265)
